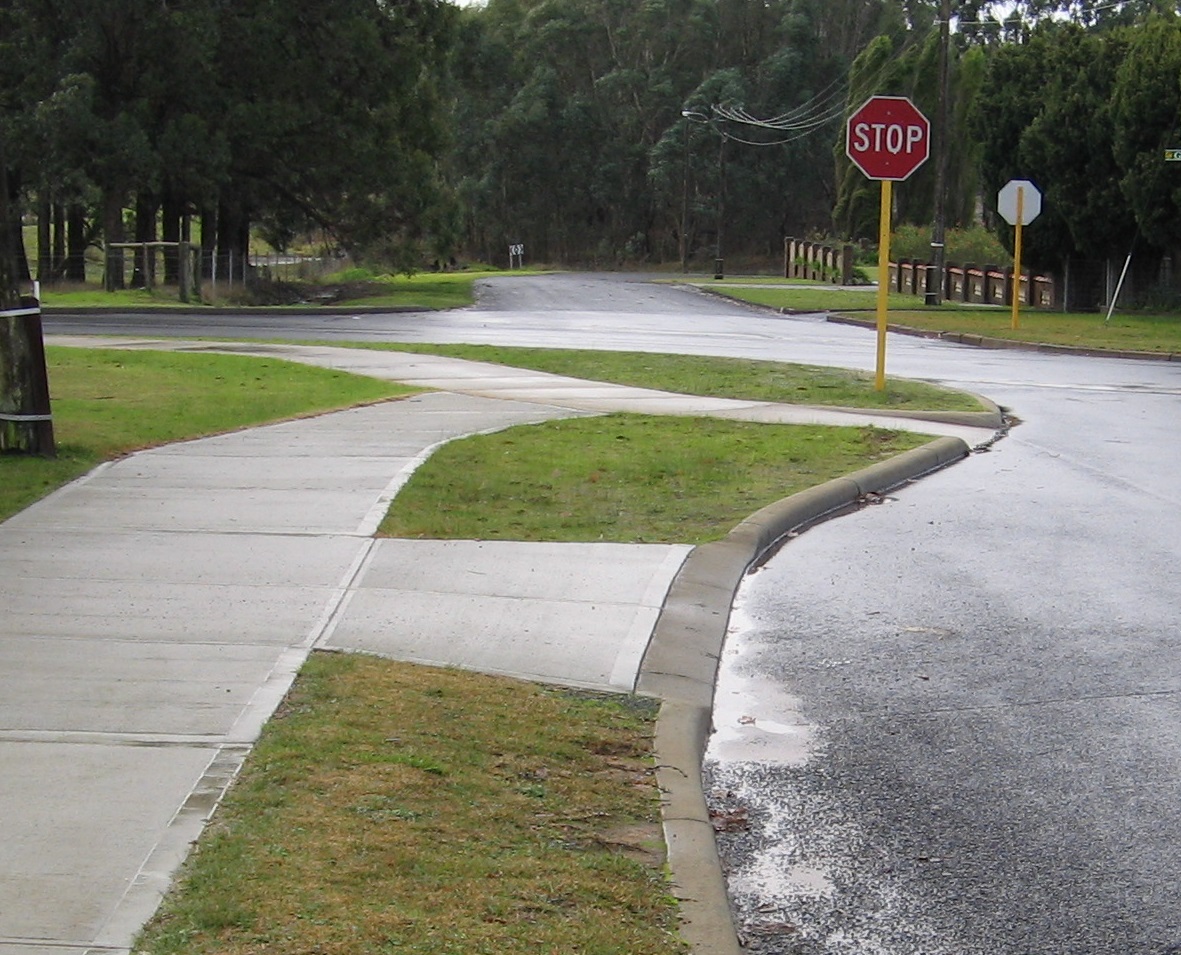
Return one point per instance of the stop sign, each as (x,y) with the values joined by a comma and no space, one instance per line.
(888,138)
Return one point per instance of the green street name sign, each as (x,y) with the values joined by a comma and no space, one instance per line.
(1173,155)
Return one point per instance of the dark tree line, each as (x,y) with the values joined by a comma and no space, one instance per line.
(573,138)
(275,115)
(602,131)
(592,131)
(1087,112)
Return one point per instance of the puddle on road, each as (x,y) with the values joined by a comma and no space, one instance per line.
(755,719)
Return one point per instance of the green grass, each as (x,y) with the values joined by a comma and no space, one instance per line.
(94,296)
(717,377)
(1127,330)
(814,298)
(624,477)
(109,402)
(393,808)
(427,291)
(741,280)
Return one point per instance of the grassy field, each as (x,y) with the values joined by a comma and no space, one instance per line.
(808,297)
(1127,331)
(717,377)
(424,291)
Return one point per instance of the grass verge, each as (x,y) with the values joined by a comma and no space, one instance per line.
(624,477)
(1131,331)
(425,291)
(390,808)
(95,296)
(107,403)
(1127,331)
(717,377)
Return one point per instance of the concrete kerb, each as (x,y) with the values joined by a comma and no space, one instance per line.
(681,664)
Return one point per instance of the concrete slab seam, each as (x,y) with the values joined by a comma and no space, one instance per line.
(684,722)
(322,629)
(154,877)
(626,668)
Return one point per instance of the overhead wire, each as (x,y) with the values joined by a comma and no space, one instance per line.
(815,113)
(995,21)
(831,102)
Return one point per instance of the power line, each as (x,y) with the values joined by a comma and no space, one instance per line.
(1002,21)
(815,113)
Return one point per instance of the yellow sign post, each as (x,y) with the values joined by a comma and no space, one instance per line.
(1016,323)
(1019,202)
(883,303)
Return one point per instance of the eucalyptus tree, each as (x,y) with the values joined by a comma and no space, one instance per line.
(573,138)
(334,116)
(1069,145)
(25,426)
(1087,113)
(1146,119)
(558,120)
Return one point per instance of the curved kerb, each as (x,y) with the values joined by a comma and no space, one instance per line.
(681,664)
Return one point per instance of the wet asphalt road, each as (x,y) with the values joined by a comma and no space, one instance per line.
(948,723)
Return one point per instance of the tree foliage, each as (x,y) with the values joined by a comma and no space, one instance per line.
(573,137)
(285,114)
(595,131)
(1086,112)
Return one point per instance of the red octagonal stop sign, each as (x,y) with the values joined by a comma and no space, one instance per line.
(888,138)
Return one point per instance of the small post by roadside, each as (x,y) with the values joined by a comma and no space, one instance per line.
(1019,202)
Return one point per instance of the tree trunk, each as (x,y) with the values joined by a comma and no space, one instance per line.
(144,267)
(170,215)
(16,235)
(44,242)
(25,425)
(76,243)
(113,272)
(58,262)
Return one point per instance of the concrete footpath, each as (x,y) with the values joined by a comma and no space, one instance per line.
(157,610)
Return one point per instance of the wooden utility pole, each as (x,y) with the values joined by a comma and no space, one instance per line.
(26,425)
